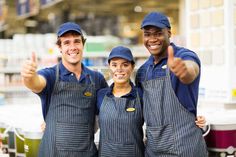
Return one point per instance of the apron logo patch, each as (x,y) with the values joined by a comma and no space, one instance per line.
(87,94)
(164,67)
(131,109)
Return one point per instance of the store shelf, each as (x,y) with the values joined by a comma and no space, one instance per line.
(10,71)
(11,89)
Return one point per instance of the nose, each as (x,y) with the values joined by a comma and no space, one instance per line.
(72,46)
(153,37)
(119,68)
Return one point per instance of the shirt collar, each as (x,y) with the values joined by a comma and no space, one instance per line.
(131,94)
(65,71)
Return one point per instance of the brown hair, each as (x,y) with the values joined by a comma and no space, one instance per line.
(72,33)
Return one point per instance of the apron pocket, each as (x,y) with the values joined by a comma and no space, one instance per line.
(160,139)
(72,136)
(117,149)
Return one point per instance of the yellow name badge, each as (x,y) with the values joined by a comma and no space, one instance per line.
(131,109)
(87,94)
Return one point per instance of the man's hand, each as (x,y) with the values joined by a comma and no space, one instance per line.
(185,70)
(31,79)
(29,68)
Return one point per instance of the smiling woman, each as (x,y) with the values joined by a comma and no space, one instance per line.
(120,111)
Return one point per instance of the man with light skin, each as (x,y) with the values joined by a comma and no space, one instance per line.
(169,80)
(68,95)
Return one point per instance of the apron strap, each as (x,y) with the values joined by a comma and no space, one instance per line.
(57,73)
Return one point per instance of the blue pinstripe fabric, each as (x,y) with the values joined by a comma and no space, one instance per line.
(171,129)
(70,122)
(121,131)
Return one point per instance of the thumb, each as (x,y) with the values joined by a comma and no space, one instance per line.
(170,56)
(33,57)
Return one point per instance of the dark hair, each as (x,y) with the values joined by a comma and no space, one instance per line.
(74,33)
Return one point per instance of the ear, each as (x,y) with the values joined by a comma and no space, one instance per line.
(133,66)
(59,47)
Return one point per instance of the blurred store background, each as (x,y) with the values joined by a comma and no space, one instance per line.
(206,26)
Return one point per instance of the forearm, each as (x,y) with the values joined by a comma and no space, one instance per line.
(35,83)
(191,73)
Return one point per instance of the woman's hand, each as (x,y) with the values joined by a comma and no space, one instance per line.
(200,121)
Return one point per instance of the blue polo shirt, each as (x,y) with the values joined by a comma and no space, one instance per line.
(108,92)
(187,94)
(64,75)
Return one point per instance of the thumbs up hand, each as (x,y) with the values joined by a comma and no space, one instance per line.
(29,67)
(185,70)
(176,65)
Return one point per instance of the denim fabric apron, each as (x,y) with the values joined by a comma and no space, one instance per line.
(171,130)
(70,121)
(121,133)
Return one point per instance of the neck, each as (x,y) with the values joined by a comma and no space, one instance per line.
(157,59)
(121,89)
(74,68)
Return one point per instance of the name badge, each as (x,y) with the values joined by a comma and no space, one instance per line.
(131,109)
(87,94)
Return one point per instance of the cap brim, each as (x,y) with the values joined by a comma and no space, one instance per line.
(120,56)
(159,25)
(61,33)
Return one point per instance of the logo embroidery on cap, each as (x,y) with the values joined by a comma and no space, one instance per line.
(131,109)
(88,94)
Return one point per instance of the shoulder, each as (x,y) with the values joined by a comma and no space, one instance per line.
(50,76)
(97,78)
(186,54)
(138,91)
(143,68)
(95,74)
(47,72)
(102,92)
(100,96)
(141,72)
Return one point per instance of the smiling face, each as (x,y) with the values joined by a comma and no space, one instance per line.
(71,47)
(156,40)
(120,70)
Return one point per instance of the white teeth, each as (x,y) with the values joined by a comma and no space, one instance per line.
(73,54)
(153,46)
(119,76)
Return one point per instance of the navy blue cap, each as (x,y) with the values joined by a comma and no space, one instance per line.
(156,19)
(68,26)
(121,52)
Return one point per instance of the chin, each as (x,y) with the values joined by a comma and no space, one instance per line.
(120,81)
(154,52)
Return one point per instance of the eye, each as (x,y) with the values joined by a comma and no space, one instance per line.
(77,41)
(146,34)
(159,34)
(113,65)
(126,64)
(66,43)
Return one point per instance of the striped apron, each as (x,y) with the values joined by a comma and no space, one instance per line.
(121,133)
(70,121)
(171,130)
